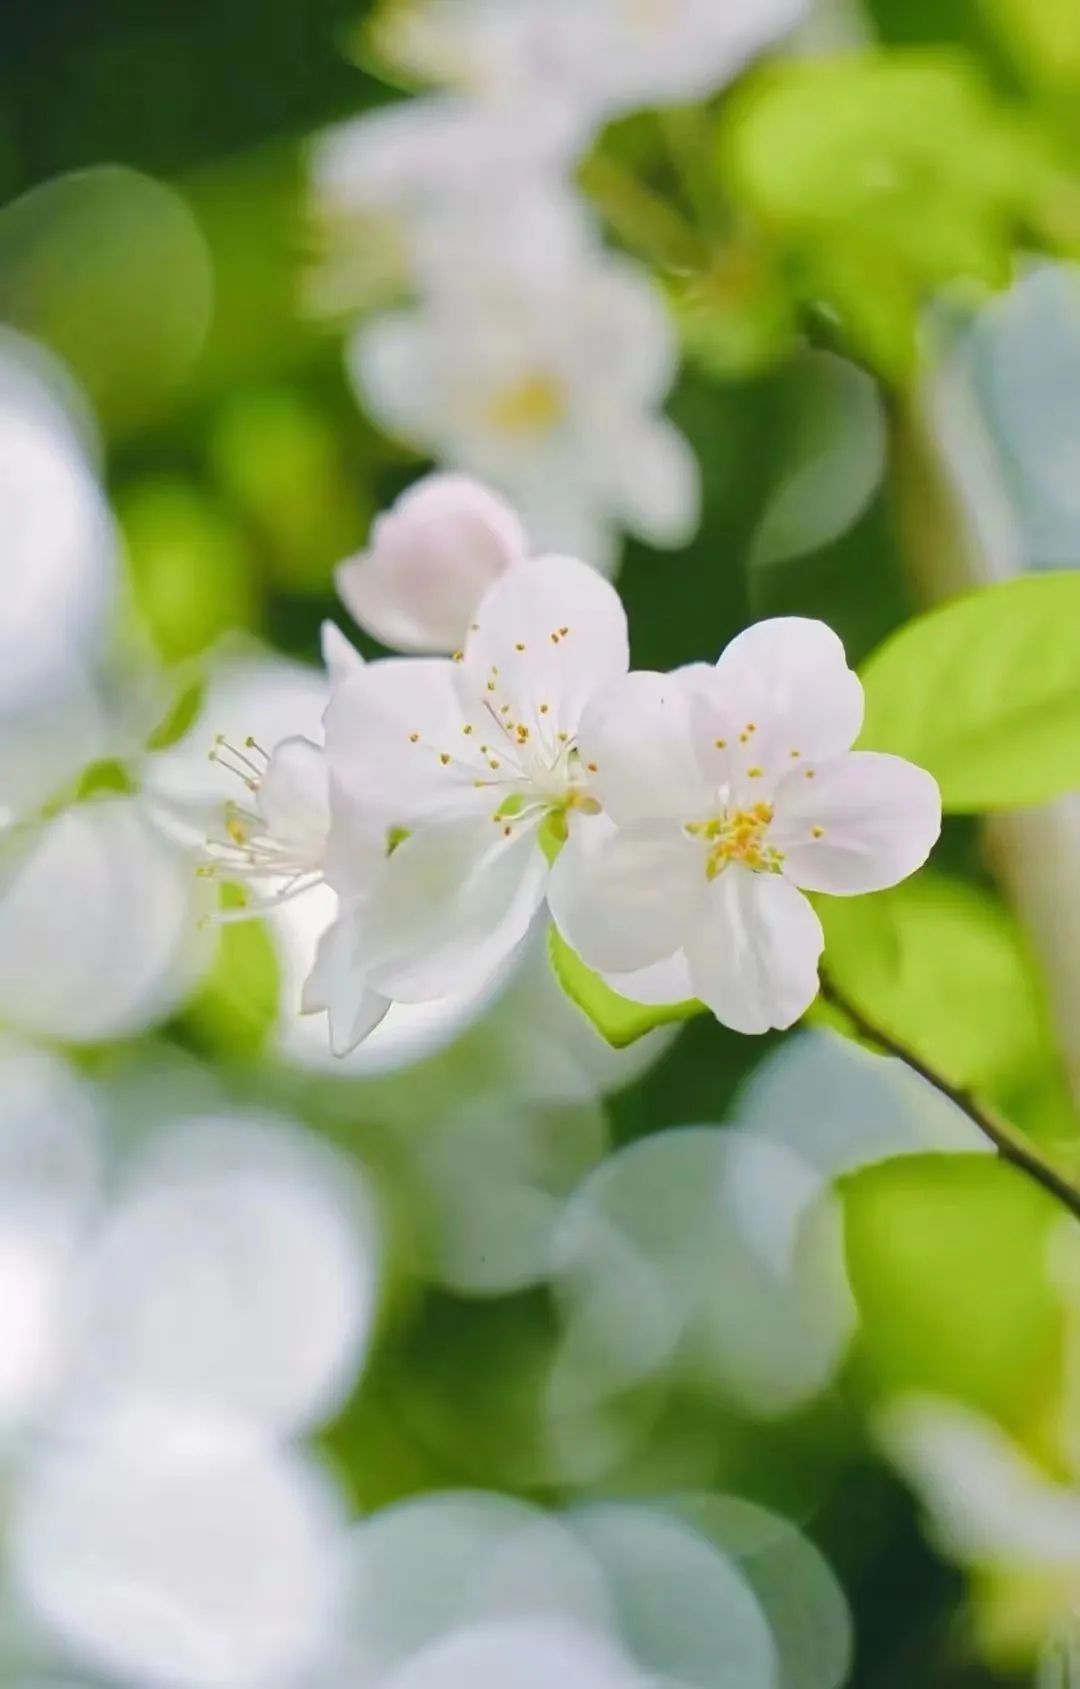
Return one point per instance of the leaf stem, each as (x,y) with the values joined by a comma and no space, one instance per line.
(1013,1146)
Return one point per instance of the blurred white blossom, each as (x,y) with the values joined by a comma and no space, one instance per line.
(431,558)
(546,381)
(596,57)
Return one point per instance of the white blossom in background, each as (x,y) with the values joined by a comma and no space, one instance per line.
(727,793)
(430,560)
(468,770)
(401,193)
(178,1549)
(598,58)
(547,385)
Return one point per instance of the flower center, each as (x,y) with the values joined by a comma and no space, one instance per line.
(533,405)
(738,835)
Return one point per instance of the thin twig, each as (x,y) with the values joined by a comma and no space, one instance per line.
(1010,1144)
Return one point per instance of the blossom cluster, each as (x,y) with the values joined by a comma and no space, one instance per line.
(529,355)
(669,824)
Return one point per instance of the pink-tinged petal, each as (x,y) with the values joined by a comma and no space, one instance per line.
(781,695)
(340,657)
(637,740)
(294,796)
(626,897)
(862,822)
(546,638)
(452,903)
(432,558)
(668,981)
(338,986)
(754,954)
(397,746)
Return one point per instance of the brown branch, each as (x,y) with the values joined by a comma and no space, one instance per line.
(1010,1144)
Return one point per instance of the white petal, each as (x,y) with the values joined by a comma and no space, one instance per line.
(626,897)
(432,558)
(668,981)
(294,796)
(657,487)
(453,900)
(880,817)
(338,985)
(390,364)
(632,346)
(388,729)
(550,632)
(754,956)
(338,654)
(640,734)
(781,694)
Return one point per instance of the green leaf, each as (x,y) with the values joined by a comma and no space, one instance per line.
(942,967)
(945,1308)
(180,719)
(985,693)
(616,1018)
(237,1004)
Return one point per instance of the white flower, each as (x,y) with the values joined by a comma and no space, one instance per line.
(595,57)
(460,765)
(548,385)
(727,789)
(279,835)
(432,557)
(404,193)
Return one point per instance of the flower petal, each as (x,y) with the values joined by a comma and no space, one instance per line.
(396,744)
(753,957)
(451,904)
(626,897)
(294,797)
(550,633)
(656,482)
(781,694)
(337,984)
(865,821)
(340,657)
(637,740)
(432,558)
(668,981)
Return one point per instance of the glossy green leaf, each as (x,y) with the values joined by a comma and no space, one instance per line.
(985,693)
(616,1018)
(942,967)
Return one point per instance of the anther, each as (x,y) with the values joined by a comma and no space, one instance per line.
(817,832)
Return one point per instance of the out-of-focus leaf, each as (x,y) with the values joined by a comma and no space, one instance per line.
(833,461)
(237,1003)
(616,1018)
(985,693)
(190,565)
(736,318)
(180,719)
(945,1307)
(942,967)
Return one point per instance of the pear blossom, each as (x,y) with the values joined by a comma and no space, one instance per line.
(728,792)
(431,558)
(468,770)
(598,59)
(546,382)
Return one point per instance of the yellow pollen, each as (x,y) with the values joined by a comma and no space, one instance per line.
(534,405)
(414,738)
(739,836)
(467,728)
(563,632)
(544,708)
(507,830)
(563,738)
(236,829)
(743,738)
(519,647)
(522,735)
(491,686)
(817,832)
(721,744)
(444,757)
(493,762)
(554,639)
(808,773)
(593,767)
(795,753)
(754,773)
(751,727)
